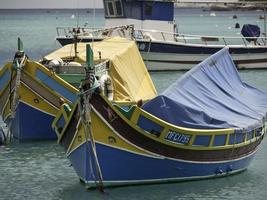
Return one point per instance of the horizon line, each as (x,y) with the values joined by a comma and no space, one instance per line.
(48,8)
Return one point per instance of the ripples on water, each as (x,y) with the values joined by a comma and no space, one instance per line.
(41,171)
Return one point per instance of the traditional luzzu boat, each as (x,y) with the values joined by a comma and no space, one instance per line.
(161,46)
(31,93)
(29,98)
(207,124)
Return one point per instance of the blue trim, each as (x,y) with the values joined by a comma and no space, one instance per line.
(149,126)
(183,49)
(119,165)
(54,85)
(162,11)
(4,79)
(32,124)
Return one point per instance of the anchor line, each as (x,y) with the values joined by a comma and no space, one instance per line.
(8,136)
(82,117)
(10,89)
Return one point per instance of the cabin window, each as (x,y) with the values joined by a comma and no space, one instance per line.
(118,7)
(148,9)
(113,8)
(110,8)
(106,9)
(219,140)
(236,138)
(202,140)
(258,131)
(250,135)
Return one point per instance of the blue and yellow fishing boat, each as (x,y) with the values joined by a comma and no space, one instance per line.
(31,93)
(29,97)
(207,124)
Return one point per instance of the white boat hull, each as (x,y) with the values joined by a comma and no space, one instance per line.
(156,61)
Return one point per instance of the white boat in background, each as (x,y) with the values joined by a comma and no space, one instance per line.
(161,47)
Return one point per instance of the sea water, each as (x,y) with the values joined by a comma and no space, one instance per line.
(40,170)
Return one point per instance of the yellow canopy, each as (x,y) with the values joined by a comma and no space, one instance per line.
(130,78)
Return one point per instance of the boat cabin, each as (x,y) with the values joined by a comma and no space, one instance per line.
(143,14)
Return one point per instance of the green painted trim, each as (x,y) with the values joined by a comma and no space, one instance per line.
(126,113)
(73,79)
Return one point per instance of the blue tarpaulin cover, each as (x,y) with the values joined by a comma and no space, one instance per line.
(250,30)
(211,95)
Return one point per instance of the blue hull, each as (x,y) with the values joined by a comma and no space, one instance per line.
(32,124)
(125,168)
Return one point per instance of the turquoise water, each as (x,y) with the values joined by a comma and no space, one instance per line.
(40,170)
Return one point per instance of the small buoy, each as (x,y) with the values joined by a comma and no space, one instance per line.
(237,25)
(234,17)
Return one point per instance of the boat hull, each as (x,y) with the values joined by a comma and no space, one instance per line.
(156,61)
(127,157)
(121,167)
(65,40)
(172,56)
(32,124)
(39,92)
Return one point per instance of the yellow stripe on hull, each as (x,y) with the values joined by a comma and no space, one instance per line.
(34,100)
(105,135)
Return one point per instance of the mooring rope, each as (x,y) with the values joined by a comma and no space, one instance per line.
(85,114)
(15,100)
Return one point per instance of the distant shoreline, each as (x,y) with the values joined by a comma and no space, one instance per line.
(51,9)
(203,6)
(220,7)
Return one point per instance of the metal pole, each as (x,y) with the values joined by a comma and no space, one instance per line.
(264,23)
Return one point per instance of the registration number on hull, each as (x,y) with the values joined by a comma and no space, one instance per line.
(178,137)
